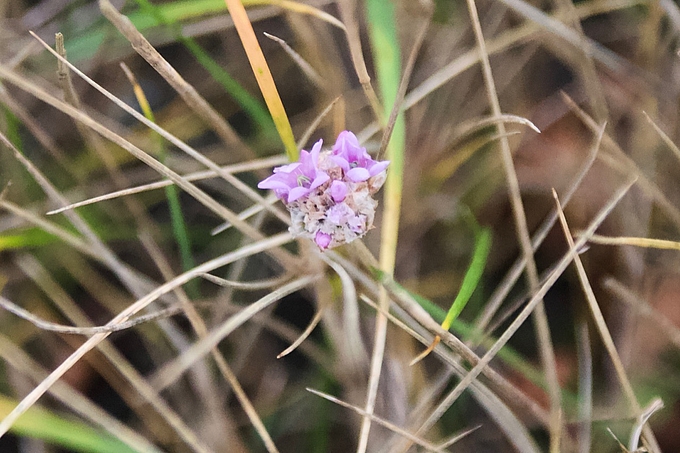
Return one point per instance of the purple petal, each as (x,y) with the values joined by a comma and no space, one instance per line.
(297,193)
(378,167)
(358,174)
(273,183)
(340,162)
(323,240)
(320,178)
(316,149)
(287,168)
(338,191)
(347,146)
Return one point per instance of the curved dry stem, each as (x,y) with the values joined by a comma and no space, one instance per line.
(170,372)
(304,335)
(55,327)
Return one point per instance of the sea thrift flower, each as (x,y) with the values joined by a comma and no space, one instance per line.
(330,193)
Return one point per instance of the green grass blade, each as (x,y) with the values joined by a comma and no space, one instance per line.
(387,57)
(179,227)
(68,434)
(472,276)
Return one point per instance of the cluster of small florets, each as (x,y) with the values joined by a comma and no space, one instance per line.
(330,193)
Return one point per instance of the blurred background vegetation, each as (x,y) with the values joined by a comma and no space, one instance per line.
(570,68)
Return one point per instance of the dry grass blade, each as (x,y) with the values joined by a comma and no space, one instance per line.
(600,323)
(173,370)
(54,327)
(472,126)
(264,77)
(51,228)
(661,244)
(38,132)
(403,84)
(654,406)
(457,437)
(540,319)
(521,317)
(194,100)
(391,426)
(248,286)
(190,188)
(306,68)
(304,335)
(348,15)
(515,271)
(352,321)
(36,393)
(298,7)
(661,322)
(585,387)
(196,176)
(666,139)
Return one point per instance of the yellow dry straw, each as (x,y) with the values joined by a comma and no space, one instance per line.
(263,76)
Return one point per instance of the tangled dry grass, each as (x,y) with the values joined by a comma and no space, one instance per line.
(153,316)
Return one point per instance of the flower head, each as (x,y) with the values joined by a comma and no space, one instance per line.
(330,194)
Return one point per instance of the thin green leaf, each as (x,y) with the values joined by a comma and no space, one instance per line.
(55,429)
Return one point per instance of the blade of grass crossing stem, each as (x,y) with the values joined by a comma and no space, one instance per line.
(179,227)
(470,281)
(264,76)
(247,102)
(387,57)
(464,331)
(54,429)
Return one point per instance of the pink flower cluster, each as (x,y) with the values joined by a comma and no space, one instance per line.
(330,193)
